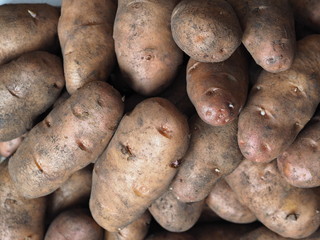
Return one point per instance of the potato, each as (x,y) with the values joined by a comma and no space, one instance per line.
(139,163)
(224,202)
(28,87)
(173,215)
(26,28)
(8,148)
(137,230)
(68,139)
(21,218)
(85,33)
(207,215)
(280,105)
(147,55)
(212,154)
(288,211)
(269,33)
(218,90)
(170,236)
(75,224)
(206,30)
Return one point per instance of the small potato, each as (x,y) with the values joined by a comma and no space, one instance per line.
(224,202)
(212,154)
(28,87)
(288,211)
(73,135)
(206,30)
(173,215)
(20,218)
(8,148)
(139,164)
(26,28)
(136,230)
(75,224)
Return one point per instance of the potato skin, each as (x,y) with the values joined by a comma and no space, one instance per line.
(21,218)
(173,215)
(68,139)
(170,236)
(75,224)
(212,154)
(85,33)
(9,147)
(139,163)
(207,31)
(224,202)
(28,86)
(26,28)
(269,33)
(288,211)
(280,105)
(147,62)
(218,90)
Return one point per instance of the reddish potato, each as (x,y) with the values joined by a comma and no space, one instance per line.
(9,147)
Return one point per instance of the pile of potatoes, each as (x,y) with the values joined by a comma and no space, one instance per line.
(171,119)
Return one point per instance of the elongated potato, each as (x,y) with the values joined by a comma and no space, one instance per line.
(136,230)
(85,33)
(75,224)
(139,163)
(9,147)
(281,104)
(269,33)
(288,211)
(206,30)
(218,90)
(20,218)
(147,54)
(173,215)
(224,202)
(28,86)
(26,28)
(212,154)
(68,139)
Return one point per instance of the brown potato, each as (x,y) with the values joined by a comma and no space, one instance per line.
(288,211)
(75,224)
(85,33)
(8,148)
(269,33)
(173,215)
(218,90)
(281,104)
(206,30)
(26,28)
(170,236)
(224,202)
(20,218)
(68,139)
(28,86)
(147,54)
(212,154)
(139,163)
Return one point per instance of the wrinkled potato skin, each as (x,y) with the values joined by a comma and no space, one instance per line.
(173,215)
(288,211)
(280,105)
(269,33)
(85,33)
(147,55)
(218,90)
(9,147)
(136,230)
(75,224)
(140,163)
(21,218)
(224,202)
(24,33)
(207,31)
(28,87)
(212,154)
(300,163)
(68,139)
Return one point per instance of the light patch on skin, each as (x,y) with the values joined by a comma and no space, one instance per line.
(33,14)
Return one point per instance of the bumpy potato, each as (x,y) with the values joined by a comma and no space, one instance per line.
(139,163)
(68,139)
(28,86)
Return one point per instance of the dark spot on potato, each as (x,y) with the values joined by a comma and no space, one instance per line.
(100,102)
(165,131)
(82,146)
(47,123)
(13,93)
(38,165)
(176,163)
(79,112)
(180,180)
(210,93)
